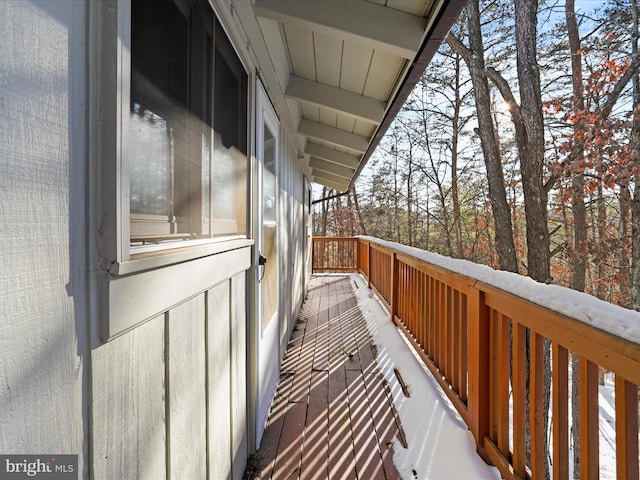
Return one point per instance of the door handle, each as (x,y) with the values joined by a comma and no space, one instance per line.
(262,260)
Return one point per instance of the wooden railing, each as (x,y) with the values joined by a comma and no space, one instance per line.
(488,348)
(334,254)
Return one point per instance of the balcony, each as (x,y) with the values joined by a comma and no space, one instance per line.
(484,336)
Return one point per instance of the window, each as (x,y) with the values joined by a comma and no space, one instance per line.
(185,146)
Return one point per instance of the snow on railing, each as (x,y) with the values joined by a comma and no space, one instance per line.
(506,350)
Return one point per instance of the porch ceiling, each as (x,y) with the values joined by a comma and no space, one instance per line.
(345,68)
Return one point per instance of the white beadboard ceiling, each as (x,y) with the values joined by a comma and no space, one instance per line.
(345,68)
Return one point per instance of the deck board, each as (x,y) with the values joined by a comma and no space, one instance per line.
(332,417)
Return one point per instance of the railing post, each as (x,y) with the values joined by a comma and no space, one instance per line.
(369,265)
(479,366)
(356,253)
(393,296)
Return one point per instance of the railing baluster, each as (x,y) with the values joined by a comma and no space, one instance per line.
(441,320)
(536,405)
(457,363)
(393,296)
(428,319)
(589,428)
(422,318)
(560,358)
(503,384)
(519,398)
(448,364)
(464,351)
(493,375)
(626,429)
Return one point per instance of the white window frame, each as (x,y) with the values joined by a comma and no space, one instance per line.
(115,212)
(117,270)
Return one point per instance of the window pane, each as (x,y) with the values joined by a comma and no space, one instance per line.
(149,163)
(230,122)
(229,189)
(269,176)
(183,183)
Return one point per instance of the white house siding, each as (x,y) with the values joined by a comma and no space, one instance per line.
(169,396)
(128,411)
(293,235)
(42,226)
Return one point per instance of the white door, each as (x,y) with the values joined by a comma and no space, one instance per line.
(267,127)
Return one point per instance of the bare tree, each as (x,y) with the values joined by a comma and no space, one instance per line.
(474,58)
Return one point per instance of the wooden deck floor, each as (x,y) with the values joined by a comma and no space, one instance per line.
(332,417)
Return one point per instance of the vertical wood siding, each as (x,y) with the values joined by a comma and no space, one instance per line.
(186,389)
(292,235)
(128,415)
(239,439)
(170,395)
(219,381)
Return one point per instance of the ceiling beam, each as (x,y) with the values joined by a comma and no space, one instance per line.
(326,153)
(341,101)
(334,186)
(330,167)
(330,177)
(393,31)
(329,180)
(333,135)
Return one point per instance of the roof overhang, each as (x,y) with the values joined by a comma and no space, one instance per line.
(345,68)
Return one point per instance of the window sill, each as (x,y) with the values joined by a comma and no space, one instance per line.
(153,285)
(152,260)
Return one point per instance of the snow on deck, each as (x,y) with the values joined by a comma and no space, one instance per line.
(440,444)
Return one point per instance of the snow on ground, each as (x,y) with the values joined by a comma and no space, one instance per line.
(440,444)
(616,320)
(607,402)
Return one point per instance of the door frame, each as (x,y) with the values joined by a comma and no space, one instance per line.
(267,338)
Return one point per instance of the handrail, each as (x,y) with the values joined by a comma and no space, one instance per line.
(474,333)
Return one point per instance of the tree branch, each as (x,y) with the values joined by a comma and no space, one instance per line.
(617,90)
(507,94)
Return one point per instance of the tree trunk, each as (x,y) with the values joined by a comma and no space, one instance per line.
(410,197)
(531,155)
(623,235)
(455,127)
(635,247)
(349,212)
(474,58)
(635,147)
(396,206)
(325,213)
(361,228)
(578,258)
(601,221)
(531,145)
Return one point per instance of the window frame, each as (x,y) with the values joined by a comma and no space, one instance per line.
(111,79)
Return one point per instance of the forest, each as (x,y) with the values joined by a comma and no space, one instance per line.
(518,149)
